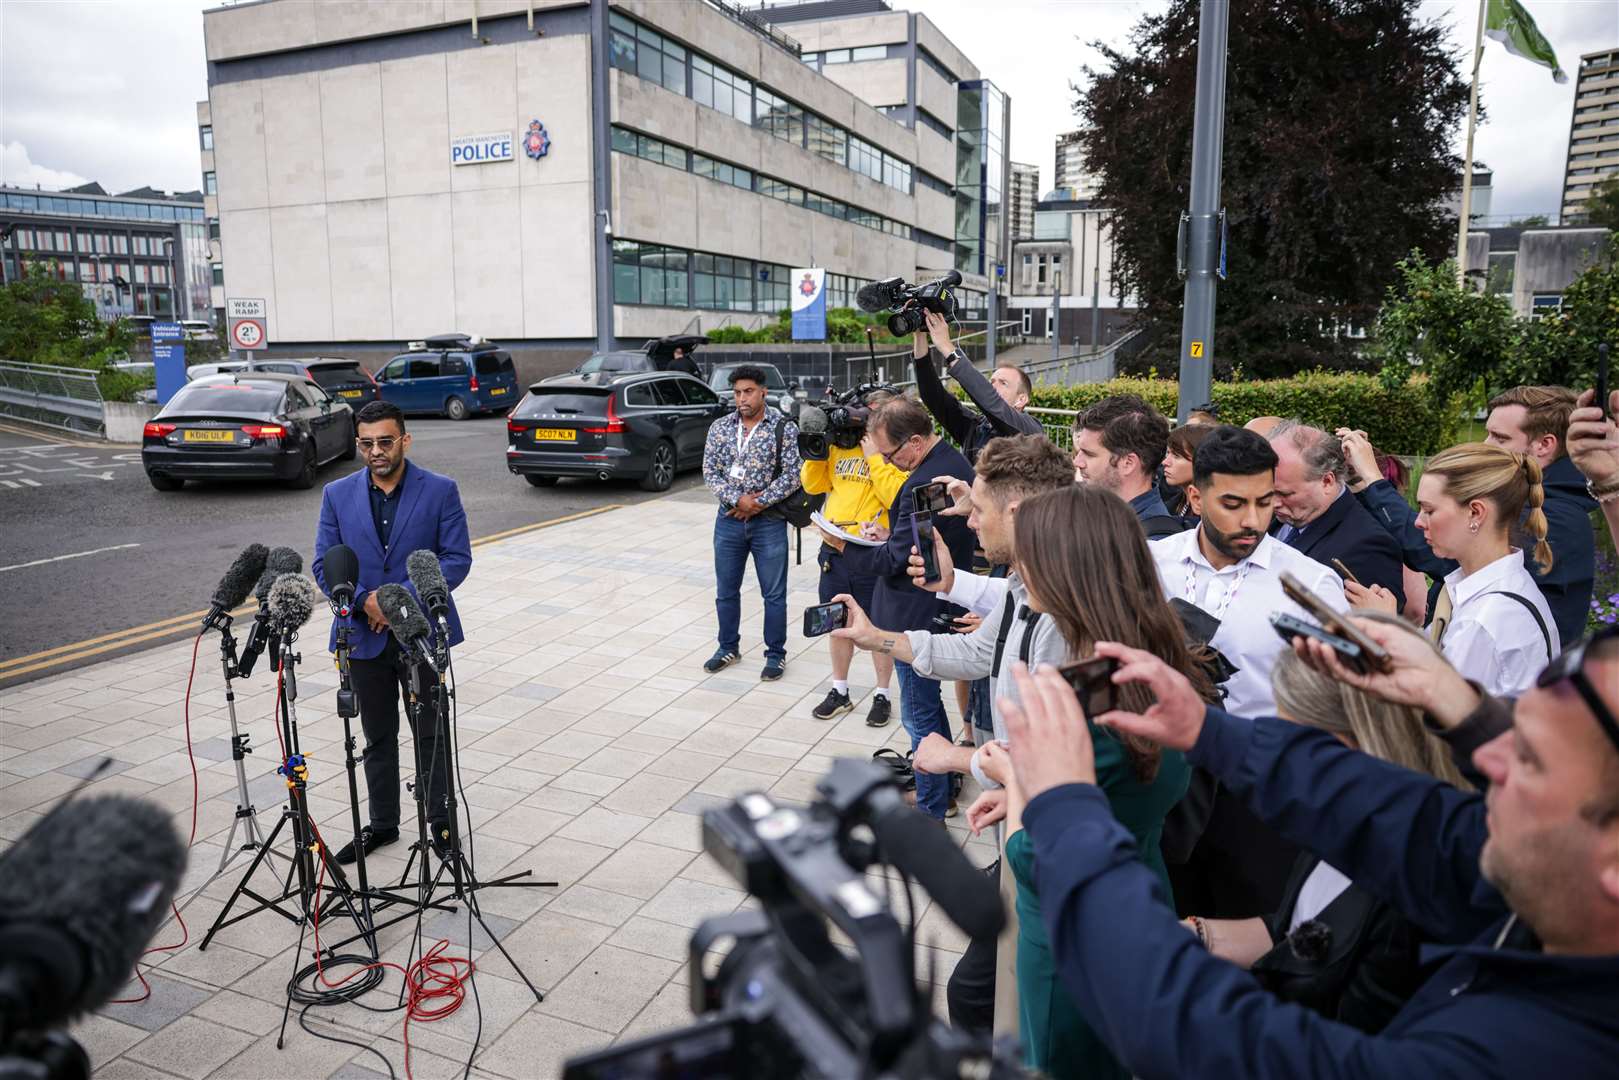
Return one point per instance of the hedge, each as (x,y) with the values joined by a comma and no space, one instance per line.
(1399,421)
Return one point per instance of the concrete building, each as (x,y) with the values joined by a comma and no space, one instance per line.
(1071,172)
(1478,210)
(1070,257)
(142,252)
(1024,193)
(1593,137)
(555,174)
(1532,267)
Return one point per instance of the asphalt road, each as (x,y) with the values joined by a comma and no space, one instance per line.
(91,549)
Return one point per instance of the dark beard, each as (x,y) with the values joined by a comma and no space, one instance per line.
(1223,542)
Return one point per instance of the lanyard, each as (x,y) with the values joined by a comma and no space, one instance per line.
(744,435)
(1231,594)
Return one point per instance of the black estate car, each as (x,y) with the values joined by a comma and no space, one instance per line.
(246,425)
(645,426)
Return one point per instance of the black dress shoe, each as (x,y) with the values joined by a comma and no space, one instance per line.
(439,833)
(372,839)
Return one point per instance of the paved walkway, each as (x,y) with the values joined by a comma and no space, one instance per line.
(591,740)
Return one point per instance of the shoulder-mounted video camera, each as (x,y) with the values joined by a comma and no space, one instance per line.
(839,420)
(908,302)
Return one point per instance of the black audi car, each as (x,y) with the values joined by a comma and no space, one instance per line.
(643,426)
(247,425)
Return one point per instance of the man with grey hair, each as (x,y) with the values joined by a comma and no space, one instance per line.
(1321,517)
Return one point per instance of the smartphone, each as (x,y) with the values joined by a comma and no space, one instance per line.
(1601,400)
(934,498)
(1092,681)
(1348,574)
(1290,627)
(1375,657)
(922,536)
(825,618)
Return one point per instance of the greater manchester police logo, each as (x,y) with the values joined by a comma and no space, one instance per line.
(537,143)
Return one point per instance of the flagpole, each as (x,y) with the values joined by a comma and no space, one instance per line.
(1467,161)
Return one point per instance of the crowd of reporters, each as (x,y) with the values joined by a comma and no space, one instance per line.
(1260,859)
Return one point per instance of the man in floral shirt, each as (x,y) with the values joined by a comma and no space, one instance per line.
(750,463)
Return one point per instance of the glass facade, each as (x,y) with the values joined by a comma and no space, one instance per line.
(980,175)
(661,276)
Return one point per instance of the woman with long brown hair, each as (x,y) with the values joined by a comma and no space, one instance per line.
(1083,557)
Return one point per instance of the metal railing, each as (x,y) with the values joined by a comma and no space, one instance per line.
(1085,367)
(58,397)
(1059,424)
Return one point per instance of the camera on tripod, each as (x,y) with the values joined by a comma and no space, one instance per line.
(839,420)
(786,1001)
(911,301)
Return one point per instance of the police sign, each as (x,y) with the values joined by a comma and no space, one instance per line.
(481,149)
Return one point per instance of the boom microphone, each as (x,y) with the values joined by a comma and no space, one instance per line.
(81,895)
(425,573)
(916,844)
(282,560)
(238,582)
(877,295)
(811,419)
(292,601)
(404,617)
(342,571)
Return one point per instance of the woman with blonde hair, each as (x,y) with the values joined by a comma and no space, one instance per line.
(1332,946)
(1490,620)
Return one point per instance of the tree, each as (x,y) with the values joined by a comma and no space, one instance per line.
(45,320)
(1603,207)
(1338,122)
(1533,221)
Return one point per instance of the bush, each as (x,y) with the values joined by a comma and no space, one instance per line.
(1400,421)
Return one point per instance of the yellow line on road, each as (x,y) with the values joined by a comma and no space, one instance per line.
(50,437)
(134,635)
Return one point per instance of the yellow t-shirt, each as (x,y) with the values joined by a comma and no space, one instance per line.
(858,488)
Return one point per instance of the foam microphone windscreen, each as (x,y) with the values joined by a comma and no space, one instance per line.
(428,577)
(916,844)
(292,601)
(404,616)
(874,295)
(81,895)
(282,560)
(811,419)
(240,578)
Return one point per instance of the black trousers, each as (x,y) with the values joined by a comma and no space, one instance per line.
(379,683)
(971,990)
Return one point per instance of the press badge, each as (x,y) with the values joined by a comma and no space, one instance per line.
(737,471)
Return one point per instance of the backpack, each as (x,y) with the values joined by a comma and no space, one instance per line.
(798,504)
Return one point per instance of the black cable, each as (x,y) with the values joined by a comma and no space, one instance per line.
(454,734)
(303,1022)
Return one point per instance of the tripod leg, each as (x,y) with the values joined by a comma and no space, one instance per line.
(297,958)
(242,885)
(472,906)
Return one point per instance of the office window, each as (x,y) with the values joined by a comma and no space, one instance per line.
(721,88)
(206,134)
(779,117)
(770,294)
(641,50)
(866,159)
(780,189)
(213,228)
(932,123)
(826,139)
(835,56)
(811,58)
(219,274)
(719,170)
(721,282)
(869,52)
(210,184)
(645,146)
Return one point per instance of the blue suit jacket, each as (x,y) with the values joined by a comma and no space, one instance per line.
(430,518)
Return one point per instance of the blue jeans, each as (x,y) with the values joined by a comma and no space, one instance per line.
(921,710)
(765,537)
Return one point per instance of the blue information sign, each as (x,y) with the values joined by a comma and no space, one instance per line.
(169,364)
(809,304)
(168,331)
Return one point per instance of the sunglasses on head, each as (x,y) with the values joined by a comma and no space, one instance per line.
(1571,666)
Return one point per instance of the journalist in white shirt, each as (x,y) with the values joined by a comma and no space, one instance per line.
(1232,570)
(1491,621)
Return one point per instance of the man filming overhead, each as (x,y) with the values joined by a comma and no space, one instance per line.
(384,512)
(1001,398)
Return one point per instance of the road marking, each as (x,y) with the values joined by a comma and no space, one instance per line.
(30,483)
(59,558)
(134,635)
(44,436)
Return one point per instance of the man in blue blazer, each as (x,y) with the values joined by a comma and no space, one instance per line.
(384,512)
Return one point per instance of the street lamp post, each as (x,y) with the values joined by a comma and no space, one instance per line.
(1202,222)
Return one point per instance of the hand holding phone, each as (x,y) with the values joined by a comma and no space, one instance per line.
(1290,627)
(922,537)
(1601,399)
(825,618)
(1092,681)
(1344,571)
(1375,656)
(934,498)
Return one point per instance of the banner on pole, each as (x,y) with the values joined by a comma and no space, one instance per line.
(809,304)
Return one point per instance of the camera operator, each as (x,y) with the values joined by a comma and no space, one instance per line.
(860,487)
(1001,398)
(1521,886)
(384,512)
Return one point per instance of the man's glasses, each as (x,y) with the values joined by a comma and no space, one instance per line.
(1571,666)
(385,444)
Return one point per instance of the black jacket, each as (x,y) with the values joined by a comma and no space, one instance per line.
(967,429)
(1347,531)
(897,604)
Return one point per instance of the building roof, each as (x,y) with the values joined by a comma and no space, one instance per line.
(92,188)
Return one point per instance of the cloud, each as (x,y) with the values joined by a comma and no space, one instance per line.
(17,170)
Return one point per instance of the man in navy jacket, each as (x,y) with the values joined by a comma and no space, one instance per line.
(1519,888)
(384,512)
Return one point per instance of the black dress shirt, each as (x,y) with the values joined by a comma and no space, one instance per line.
(385,506)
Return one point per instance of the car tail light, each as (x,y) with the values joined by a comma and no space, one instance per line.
(156,431)
(515,428)
(615,426)
(263,431)
(474,387)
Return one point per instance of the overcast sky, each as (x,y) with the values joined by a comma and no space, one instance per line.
(122,111)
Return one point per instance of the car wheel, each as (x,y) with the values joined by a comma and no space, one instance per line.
(541,481)
(456,409)
(306,475)
(661,473)
(165,483)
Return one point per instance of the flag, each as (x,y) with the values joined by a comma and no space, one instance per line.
(1508,23)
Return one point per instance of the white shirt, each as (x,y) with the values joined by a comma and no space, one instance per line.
(1492,639)
(1244,596)
(1322,887)
(978,593)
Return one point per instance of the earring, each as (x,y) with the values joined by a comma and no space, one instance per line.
(1472,527)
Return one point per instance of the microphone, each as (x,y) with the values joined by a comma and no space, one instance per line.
(916,844)
(425,573)
(292,601)
(81,895)
(952,278)
(282,560)
(405,619)
(238,582)
(878,295)
(811,419)
(342,568)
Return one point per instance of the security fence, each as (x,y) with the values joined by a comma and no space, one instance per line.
(59,397)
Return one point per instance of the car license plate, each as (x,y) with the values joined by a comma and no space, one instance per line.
(210,436)
(546,434)
(498,390)
(351,393)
